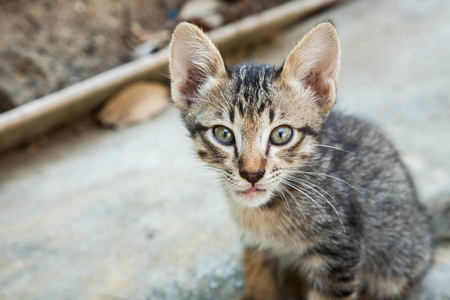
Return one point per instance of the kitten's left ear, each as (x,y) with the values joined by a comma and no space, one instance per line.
(314,63)
(194,61)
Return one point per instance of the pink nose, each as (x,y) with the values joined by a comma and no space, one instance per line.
(252,177)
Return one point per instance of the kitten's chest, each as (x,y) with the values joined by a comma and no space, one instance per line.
(271,230)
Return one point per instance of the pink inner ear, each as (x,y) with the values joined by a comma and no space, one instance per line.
(320,87)
(192,82)
(330,70)
(316,65)
(194,59)
(179,69)
(190,100)
(188,75)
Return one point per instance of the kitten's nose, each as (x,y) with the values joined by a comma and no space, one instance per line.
(252,177)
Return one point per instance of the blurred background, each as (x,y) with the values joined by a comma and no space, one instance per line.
(111,202)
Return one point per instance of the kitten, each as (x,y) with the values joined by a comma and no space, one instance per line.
(321,198)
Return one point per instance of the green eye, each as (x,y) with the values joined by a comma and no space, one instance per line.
(223,135)
(281,135)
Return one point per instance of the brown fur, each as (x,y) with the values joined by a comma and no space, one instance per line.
(262,272)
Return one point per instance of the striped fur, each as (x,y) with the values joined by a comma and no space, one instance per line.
(334,207)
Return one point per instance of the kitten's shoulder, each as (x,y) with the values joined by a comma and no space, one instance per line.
(351,132)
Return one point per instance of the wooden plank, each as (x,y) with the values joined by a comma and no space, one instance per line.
(39,116)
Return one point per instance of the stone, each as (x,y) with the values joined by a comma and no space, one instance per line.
(204,13)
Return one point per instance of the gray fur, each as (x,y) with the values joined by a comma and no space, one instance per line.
(382,231)
(343,211)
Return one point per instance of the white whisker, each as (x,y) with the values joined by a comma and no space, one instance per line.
(321,195)
(306,194)
(293,198)
(314,185)
(326,175)
(332,147)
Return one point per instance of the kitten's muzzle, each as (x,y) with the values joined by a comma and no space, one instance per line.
(252,177)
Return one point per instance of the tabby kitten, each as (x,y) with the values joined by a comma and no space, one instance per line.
(320,197)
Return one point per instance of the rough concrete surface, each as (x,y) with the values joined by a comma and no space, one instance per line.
(97,214)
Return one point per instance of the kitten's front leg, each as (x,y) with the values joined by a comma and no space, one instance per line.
(260,273)
(331,286)
(335,277)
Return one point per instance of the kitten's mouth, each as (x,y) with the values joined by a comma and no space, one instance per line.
(252,192)
(252,197)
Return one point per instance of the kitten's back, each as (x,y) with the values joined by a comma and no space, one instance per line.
(396,230)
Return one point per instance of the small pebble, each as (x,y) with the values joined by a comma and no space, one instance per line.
(213,284)
(80,7)
(100,39)
(237,283)
(74,79)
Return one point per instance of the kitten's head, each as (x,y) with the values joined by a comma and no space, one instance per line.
(254,123)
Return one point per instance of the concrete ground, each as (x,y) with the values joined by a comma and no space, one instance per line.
(97,214)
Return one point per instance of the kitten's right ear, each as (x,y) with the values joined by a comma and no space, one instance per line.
(194,62)
(314,63)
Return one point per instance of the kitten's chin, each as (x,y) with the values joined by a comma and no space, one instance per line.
(252,197)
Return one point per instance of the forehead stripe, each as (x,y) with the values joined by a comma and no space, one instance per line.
(231,114)
(271,115)
(262,107)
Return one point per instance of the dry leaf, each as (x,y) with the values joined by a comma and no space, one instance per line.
(134,104)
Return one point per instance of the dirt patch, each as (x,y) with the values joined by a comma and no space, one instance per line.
(50,44)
